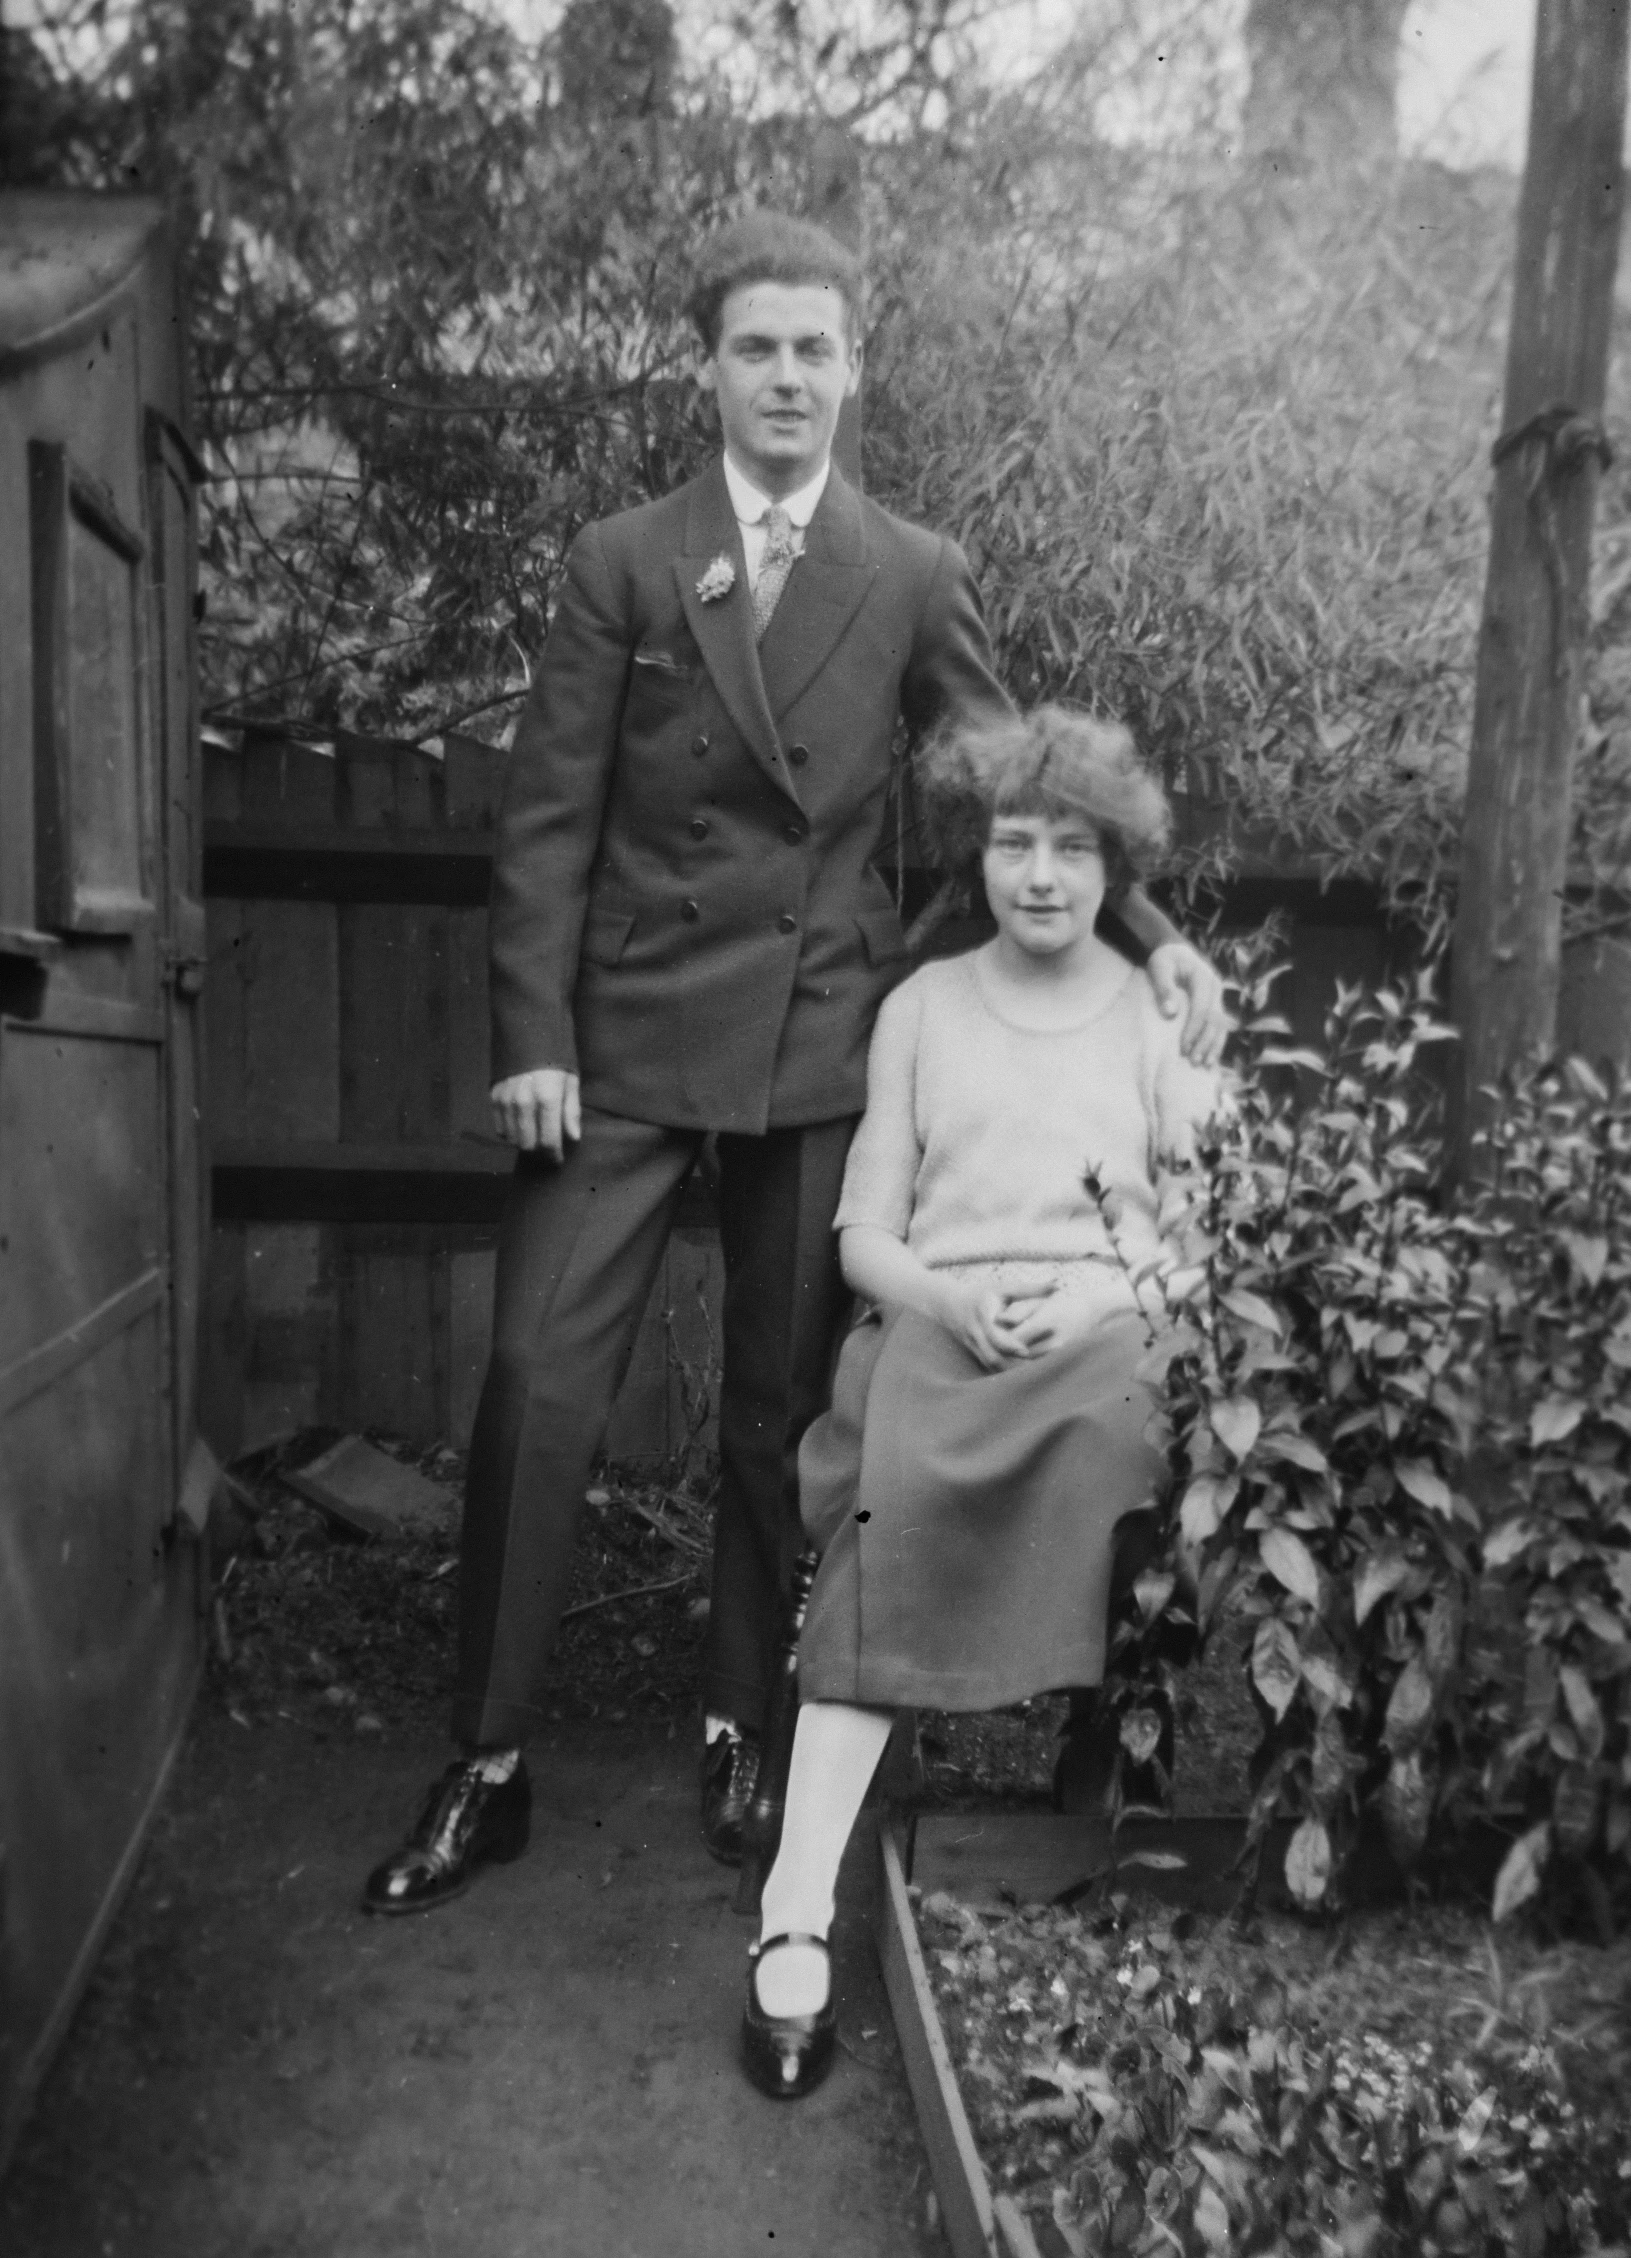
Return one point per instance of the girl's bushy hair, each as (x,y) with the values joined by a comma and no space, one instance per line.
(1053,762)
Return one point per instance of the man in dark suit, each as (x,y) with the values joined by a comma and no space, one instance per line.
(688,937)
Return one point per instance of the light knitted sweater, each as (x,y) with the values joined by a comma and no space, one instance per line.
(978,1134)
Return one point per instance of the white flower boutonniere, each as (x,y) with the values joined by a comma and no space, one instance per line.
(717,581)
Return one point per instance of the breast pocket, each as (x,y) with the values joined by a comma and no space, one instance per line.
(659,683)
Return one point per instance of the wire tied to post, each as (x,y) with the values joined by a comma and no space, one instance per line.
(1563,440)
(1566,434)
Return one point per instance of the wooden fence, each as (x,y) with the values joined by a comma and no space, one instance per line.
(357,1181)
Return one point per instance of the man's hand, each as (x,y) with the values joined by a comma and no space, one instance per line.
(538,1111)
(1184,981)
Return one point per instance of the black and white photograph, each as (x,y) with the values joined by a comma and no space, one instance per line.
(815,1129)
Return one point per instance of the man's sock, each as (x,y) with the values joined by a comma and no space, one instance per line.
(835,1753)
(713,1726)
(496,1765)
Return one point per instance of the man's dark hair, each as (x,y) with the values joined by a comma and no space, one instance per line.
(770,247)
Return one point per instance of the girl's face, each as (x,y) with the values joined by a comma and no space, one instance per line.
(1044,879)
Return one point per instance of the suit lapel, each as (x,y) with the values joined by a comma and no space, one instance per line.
(823,593)
(724,627)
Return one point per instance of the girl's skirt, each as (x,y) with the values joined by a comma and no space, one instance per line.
(967,1518)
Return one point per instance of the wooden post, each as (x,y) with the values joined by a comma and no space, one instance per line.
(1532,642)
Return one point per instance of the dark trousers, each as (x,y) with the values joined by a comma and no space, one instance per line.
(578,1254)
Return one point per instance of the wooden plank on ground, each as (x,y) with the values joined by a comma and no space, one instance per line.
(1035,1857)
(954,2161)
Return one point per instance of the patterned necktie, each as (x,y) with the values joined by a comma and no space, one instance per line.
(774,566)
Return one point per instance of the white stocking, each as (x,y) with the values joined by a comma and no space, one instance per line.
(835,1753)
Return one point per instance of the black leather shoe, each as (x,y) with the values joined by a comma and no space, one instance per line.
(467,1822)
(786,2056)
(730,1772)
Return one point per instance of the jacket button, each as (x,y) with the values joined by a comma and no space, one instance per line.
(787,922)
(699,827)
(699,745)
(796,831)
(690,912)
(799,755)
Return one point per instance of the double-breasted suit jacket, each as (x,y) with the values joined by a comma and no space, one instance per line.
(684,907)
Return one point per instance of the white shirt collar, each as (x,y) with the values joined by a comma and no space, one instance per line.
(750,504)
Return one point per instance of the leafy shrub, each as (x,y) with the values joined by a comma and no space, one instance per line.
(1323,1392)
(1400,1434)
(1555,1282)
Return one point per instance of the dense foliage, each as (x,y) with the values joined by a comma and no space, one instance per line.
(1153,2082)
(1218,451)
(1401,1442)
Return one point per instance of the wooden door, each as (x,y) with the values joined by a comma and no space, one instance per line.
(182,952)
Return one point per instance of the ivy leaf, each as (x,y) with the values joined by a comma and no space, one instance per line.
(1285,1556)
(1255,1311)
(1141,1734)
(1236,1423)
(1308,1862)
(1441,1636)
(1620,1569)
(1583,1707)
(1286,1443)
(1379,1576)
(1521,1870)
(1425,1485)
(1410,1708)
(1206,1501)
(1554,1419)
(1506,1542)
(1330,1688)
(1212,2219)
(1276,1664)
(1588,1253)
(1281,1054)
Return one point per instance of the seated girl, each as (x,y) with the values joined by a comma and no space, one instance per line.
(987,1429)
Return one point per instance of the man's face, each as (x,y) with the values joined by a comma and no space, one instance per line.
(783,368)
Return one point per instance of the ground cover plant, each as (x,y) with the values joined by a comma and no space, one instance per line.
(1151,2081)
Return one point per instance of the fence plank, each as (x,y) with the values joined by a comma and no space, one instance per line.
(393,1328)
(393,1022)
(289,969)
